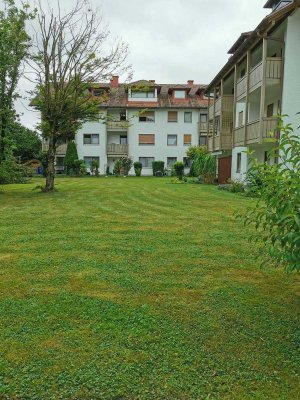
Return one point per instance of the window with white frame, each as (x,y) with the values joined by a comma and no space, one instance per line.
(91,138)
(179,94)
(171,161)
(88,160)
(188,117)
(142,95)
(172,140)
(203,118)
(146,161)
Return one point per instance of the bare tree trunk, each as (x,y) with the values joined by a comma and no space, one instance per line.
(49,187)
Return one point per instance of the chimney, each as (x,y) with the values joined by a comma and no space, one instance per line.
(115,82)
(190,82)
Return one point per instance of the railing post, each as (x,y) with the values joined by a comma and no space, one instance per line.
(234,104)
(214,119)
(263,90)
(247,96)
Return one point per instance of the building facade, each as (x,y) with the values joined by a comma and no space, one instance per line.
(260,81)
(143,120)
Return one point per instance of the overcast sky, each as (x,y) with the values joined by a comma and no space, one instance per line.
(172,41)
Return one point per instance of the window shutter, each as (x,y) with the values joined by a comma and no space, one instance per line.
(146,139)
(187,139)
(172,116)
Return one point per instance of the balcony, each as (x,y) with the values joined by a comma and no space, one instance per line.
(61,149)
(273,72)
(117,150)
(256,131)
(219,143)
(202,127)
(117,126)
(223,104)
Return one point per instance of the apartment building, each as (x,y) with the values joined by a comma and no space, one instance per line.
(260,80)
(144,120)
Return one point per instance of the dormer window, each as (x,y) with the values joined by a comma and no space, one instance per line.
(99,92)
(142,95)
(179,94)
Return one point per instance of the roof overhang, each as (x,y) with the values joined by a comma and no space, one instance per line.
(267,23)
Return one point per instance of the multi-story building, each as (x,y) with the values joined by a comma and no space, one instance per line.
(144,120)
(260,80)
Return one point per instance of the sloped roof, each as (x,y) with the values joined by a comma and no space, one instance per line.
(118,97)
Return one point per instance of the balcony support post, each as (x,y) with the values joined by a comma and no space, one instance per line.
(214,119)
(247,96)
(263,90)
(234,105)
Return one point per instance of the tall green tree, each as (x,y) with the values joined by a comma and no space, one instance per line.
(71,157)
(24,143)
(14,47)
(71,53)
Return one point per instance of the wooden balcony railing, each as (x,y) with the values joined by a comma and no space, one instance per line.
(256,75)
(117,125)
(114,149)
(219,142)
(241,87)
(256,131)
(202,127)
(61,149)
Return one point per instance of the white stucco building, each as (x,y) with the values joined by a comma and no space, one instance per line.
(174,117)
(260,80)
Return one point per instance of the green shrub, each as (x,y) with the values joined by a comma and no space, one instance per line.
(117,168)
(95,167)
(276,215)
(158,166)
(205,166)
(125,165)
(70,158)
(179,169)
(137,168)
(233,187)
(79,168)
(13,172)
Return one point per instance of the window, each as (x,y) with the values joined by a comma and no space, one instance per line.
(147,116)
(202,140)
(270,110)
(60,161)
(172,140)
(123,139)
(89,159)
(179,94)
(203,118)
(91,138)
(241,118)
(143,95)
(187,140)
(188,117)
(187,162)
(146,161)
(146,139)
(243,72)
(172,116)
(171,161)
(99,92)
(238,162)
(123,116)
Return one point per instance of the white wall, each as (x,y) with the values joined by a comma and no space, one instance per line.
(240,106)
(239,176)
(291,83)
(89,150)
(161,128)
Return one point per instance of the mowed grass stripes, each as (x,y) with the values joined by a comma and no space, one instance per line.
(137,288)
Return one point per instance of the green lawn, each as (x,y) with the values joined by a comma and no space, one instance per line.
(140,289)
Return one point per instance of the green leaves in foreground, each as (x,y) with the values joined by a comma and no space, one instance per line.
(276,216)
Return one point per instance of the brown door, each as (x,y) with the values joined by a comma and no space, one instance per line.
(224,169)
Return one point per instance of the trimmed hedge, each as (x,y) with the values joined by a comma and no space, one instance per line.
(158,166)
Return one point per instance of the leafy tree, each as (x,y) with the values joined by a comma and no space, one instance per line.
(125,165)
(70,54)
(193,151)
(14,47)
(276,215)
(204,166)
(70,157)
(25,143)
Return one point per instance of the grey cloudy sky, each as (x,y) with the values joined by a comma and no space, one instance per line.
(174,40)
